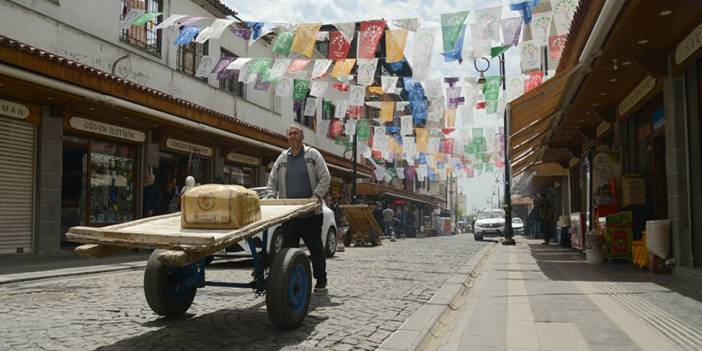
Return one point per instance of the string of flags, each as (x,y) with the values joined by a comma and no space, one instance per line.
(411,131)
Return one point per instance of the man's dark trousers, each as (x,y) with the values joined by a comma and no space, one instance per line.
(310,230)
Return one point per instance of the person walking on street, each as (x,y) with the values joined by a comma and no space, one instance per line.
(388,217)
(545,217)
(152,196)
(300,172)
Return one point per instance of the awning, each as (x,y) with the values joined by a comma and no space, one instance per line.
(409,198)
(373,189)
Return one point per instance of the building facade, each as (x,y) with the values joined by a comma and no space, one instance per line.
(87,108)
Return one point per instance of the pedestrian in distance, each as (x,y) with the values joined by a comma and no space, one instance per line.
(300,172)
(152,196)
(388,217)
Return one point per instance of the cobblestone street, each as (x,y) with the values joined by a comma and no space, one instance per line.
(372,291)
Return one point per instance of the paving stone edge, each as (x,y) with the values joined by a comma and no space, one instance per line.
(431,321)
(68,272)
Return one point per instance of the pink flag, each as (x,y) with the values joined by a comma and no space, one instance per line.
(535,79)
(556,44)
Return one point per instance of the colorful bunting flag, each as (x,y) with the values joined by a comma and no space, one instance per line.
(187,34)
(534,80)
(170,21)
(452,34)
(563,12)
(556,45)
(411,24)
(214,31)
(395,41)
(207,64)
(387,110)
(147,17)
(530,55)
(541,28)
(489,21)
(423,48)
(342,68)
(283,43)
(347,29)
(130,17)
(388,83)
(511,29)
(284,87)
(305,39)
(363,130)
(300,89)
(338,46)
(357,95)
(370,35)
(366,71)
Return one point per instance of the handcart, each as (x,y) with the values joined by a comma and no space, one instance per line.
(176,269)
(363,226)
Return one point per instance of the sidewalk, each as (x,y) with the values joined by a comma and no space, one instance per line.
(535,297)
(23,268)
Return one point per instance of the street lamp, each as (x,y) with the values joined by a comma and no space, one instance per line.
(508,234)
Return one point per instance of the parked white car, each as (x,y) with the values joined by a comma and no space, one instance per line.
(489,223)
(274,242)
(517,226)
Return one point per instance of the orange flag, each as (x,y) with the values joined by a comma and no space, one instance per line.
(387,109)
(450,117)
(395,41)
(342,68)
(305,38)
(422,139)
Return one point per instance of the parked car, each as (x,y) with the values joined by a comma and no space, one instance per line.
(275,239)
(489,223)
(517,226)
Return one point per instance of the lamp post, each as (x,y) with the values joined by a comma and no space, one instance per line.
(508,233)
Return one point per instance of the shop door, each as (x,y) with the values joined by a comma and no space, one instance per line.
(17,154)
(73,187)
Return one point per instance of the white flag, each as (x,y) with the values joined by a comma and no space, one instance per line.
(541,27)
(400,173)
(347,29)
(310,106)
(411,24)
(489,21)
(423,49)
(389,83)
(207,64)
(319,89)
(406,127)
(238,63)
(350,127)
(563,12)
(320,68)
(422,172)
(531,56)
(284,87)
(366,71)
(215,30)
(340,108)
(280,66)
(170,21)
(357,95)
(433,89)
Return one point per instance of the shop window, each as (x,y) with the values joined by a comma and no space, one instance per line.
(145,37)
(328,110)
(240,175)
(189,57)
(231,84)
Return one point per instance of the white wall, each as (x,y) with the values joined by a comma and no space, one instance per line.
(87,31)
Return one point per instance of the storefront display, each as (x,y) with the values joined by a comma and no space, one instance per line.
(618,233)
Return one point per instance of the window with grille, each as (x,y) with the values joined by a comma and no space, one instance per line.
(231,83)
(189,57)
(145,37)
(308,121)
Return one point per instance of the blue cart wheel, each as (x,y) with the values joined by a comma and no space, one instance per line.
(289,289)
(169,291)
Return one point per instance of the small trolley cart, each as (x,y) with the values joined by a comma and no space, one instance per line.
(176,269)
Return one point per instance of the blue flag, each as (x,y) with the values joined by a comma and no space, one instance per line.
(187,34)
(526,8)
(457,53)
(256,27)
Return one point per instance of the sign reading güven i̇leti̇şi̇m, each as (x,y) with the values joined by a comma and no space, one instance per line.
(107,129)
(190,148)
(13,109)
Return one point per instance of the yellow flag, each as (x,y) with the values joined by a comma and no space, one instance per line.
(395,147)
(375,90)
(342,68)
(439,157)
(305,38)
(422,139)
(395,41)
(387,109)
(450,117)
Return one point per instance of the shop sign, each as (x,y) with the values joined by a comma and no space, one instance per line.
(573,161)
(551,170)
(247,160)
(689,45)
(190,148)
(636,95)
(13,109)
(106,129)
(337,180)
(602,128)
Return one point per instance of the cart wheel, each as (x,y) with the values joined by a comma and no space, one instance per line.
(289,288)
(169,291)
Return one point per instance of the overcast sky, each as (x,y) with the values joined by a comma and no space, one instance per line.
(479,190)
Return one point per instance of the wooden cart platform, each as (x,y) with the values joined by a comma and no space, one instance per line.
(185,245)
(363,226)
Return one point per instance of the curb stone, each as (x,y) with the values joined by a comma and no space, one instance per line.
(429,322)
(68,272)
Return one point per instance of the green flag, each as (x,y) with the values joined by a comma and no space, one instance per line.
(491,90)
(146,17)
(497,51)
(301,88)
(283,43)
(477,133)
(363,130)
(451,25)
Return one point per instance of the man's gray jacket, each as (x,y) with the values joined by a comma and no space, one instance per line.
(316,169)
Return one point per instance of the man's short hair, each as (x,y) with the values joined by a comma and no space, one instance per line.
(298,127)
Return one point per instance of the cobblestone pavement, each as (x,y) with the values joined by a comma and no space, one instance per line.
(372,291)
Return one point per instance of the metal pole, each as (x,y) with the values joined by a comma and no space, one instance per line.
(509,240)
(354,194)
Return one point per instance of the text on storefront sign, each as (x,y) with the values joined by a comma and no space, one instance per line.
(14,110)
(636,95)
(247,160)
(689,45)
(187,147)
(106,129)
